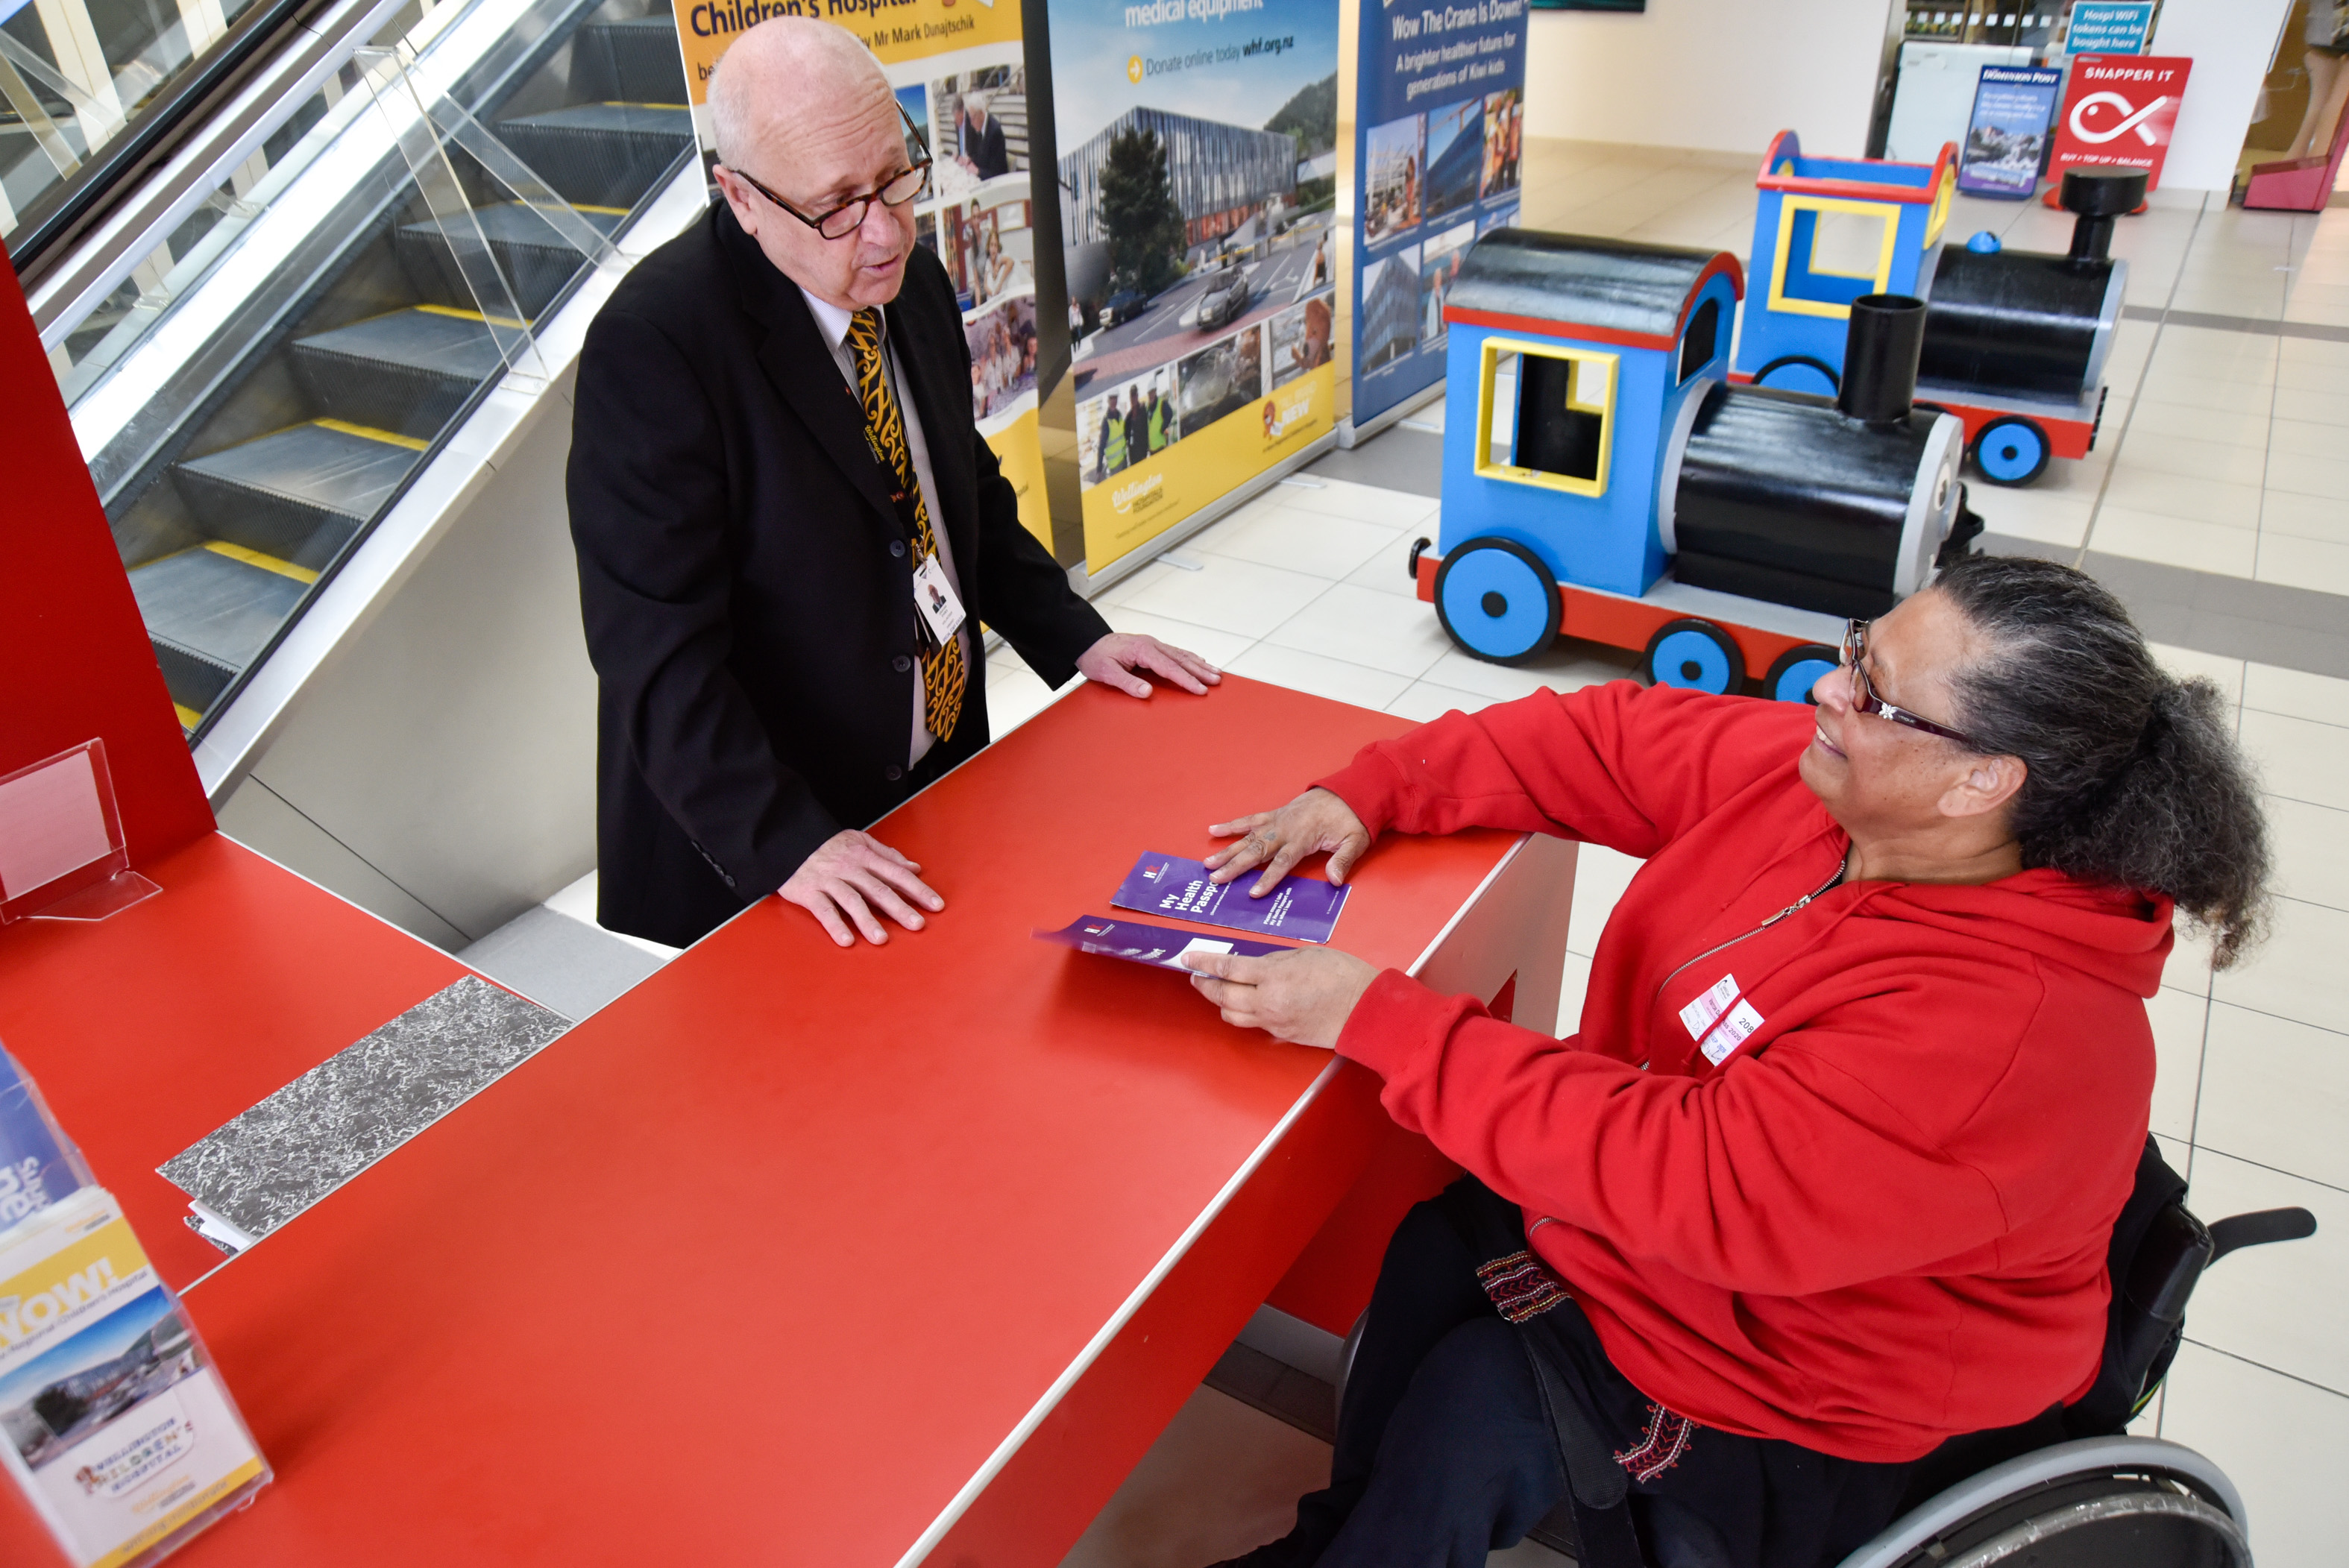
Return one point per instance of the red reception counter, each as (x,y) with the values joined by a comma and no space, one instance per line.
(812,1256)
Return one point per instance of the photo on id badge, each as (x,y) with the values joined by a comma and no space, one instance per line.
(934,596)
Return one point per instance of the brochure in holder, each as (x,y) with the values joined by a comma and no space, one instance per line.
(62,854)
(114,1423)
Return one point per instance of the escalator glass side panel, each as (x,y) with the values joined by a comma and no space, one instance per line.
(335,323)
(84,82)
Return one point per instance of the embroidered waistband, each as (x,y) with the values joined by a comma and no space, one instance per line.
(1666,1440)
(1521,1287)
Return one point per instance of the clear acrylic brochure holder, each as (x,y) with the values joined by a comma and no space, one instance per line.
(62,855)
(115,1425)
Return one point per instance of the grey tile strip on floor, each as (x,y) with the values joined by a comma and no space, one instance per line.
(2209,612)
(1279,1390)
(2233,617)
(2269,325)
(267,1164)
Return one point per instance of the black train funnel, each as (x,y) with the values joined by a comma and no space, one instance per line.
(2099,196)
(1879,358)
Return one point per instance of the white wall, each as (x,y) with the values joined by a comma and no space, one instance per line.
(1723,75)
(2230,42)
(440,771)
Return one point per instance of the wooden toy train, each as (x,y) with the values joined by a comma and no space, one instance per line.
(2015,341)
(1603,479)
(1607,476)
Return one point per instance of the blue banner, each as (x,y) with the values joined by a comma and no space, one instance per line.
(1439,137)
(2108,28)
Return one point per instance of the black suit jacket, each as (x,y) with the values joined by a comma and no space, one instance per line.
(747,584)
(985,149)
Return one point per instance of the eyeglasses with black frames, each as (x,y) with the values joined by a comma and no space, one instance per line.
(1865,700)
(838,222)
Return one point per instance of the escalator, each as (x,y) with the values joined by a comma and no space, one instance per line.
(265,456)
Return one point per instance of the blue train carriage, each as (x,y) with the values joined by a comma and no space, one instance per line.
(1602,480)
(2015,341)
(1830,230)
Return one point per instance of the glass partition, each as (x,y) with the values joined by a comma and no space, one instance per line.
(79,76)
(253,401)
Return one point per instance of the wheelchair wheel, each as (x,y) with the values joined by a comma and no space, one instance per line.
(2101,1502)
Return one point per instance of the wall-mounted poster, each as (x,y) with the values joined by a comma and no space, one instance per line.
(1440,134)
(2006,140)
(961,73)
(1197,196)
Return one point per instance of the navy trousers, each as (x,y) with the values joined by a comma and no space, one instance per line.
(1447,1452)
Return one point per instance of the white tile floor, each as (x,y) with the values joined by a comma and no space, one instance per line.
(2225,451)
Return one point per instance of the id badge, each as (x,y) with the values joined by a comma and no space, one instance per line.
(934,596)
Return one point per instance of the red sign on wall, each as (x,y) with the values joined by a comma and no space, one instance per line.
(2119,110)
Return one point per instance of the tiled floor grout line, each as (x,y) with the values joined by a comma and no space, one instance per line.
(2275,1170)
(2265,1013)
(2136,393)
(2310,1382)
(2267,454)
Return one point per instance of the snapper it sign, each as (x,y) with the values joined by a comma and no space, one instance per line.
(2118,112)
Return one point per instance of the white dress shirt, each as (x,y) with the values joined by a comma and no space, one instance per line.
(833,322)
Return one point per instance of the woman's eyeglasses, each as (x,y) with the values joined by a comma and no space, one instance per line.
(1865,700)
(838,222)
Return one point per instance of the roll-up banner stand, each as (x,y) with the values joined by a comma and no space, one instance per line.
(1440,139)
(1198,208)
(957,67)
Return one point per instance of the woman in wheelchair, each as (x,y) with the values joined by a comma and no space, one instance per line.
(1829,1174)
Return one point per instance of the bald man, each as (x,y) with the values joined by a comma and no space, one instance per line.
(789,529)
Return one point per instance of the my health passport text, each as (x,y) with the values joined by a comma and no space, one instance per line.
(1306,908)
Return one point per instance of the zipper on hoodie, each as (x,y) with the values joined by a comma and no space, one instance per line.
(1799,904)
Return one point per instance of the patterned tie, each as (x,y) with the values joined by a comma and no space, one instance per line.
(942,667)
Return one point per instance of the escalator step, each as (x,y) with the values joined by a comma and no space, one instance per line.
(636,61)
(602,154)
(537,261)
(408,372)
(209,614)
(299,494)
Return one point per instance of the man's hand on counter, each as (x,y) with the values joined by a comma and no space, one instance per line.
(1305,996)
(1316,822)
(1121,658)
(851,874)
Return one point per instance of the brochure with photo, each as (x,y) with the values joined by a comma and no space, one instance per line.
(113,1421)
(1138,942)
(1306,908)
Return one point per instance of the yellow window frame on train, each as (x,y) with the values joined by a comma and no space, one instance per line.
(1942,199)
(1888,213)
(1488,366)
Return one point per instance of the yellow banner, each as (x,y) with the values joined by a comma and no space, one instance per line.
(895,30)
(1135,505)
(1019,448)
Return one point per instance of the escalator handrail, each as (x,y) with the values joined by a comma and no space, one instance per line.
(44,232)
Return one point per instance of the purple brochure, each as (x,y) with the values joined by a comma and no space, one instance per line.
(1304,907)
(1157,945)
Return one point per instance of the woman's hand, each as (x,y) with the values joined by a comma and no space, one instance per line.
(1316,822)
(1304,996)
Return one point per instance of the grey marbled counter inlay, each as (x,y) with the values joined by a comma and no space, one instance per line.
(271,1162)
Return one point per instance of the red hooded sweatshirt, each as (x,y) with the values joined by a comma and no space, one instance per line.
(1843,1173)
